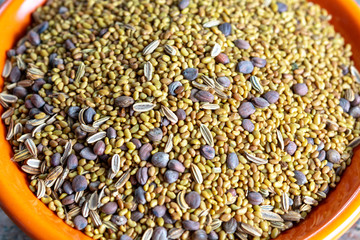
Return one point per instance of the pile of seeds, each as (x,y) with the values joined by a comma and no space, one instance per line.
(182,119)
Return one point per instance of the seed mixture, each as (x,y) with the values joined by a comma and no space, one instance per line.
(189,119)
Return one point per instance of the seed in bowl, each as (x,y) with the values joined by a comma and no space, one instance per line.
(181,119)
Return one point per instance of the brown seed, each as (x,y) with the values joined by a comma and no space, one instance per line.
(291,148)
(155,134)
(300,178)
(204,96)
(207,152)
(145,151)
(160,159)
(109,208)
(176,166)
(222,58)
(230,226)
(171,176)
(232,161)
(242,44)
(142,175)
(159,211)
(193,199)
(190,225)
(124,101)
(99,148)
(248,125)
(199,235)
(333,156)
(181,114)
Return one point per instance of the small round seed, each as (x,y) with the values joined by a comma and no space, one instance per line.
(193,199)
(230,226)
(248,125)
(89,115)
(255,198)
(88,154)
(300,177)
(119,220)
(246,109)
(160,233)
(224,81)
(142,175)
(242,44)
(99,148)
(171,176)
(282,7)
(124,101)
(136,216)
(300,89)
(109,208)
(184,4)
(79,183)
(355,112)
(20,92)
(190,73)
(258,62)
(181,114)
(260,102)
(37,100)
(55,159)
(80,222)
(204,96)
(145,151)
(111,133)
(245,67)
(207,152)
(67,187)
(344,104)
(155,134)
(70,199)
(333,156)
(159,211)
(199,235)
(213,236)
(73,112)
(291,148)
(190,225)
(72,162)
(222,58)
(225,28)
(232,161)
(160,159)
(176,166)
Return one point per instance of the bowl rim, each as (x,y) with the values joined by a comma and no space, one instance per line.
(333,229)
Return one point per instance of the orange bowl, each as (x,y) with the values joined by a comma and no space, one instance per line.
(328,221)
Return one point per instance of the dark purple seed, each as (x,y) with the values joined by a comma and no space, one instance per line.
(80,222)
(38,83)
(48,109)
(139,195)
(79,183)
(125,237)
(322,155)
(176,166)
(213,236)
(28,104)
(34,38)
(320,146)
(159,211)
(20,92)
(88,154)
(111,133)
(99,148)
(193,199)
(10,53)
(246,109)
(89,115)
(204,96)
(258,62)
(78,147)
(72,161)
(80,134)
(224,81)
(104,157)
(124,101)
(291,148)
(232,161)
(199,235)
(330,165)
(69,45)
(42,27)
(155,134)
(67,187)
(55,159)
(28,127)
(70,199)
(142,175)
(248,125)
(165,122)
(40,148)
(103,31)
(230,226)
(300,177)
(190,73)
(171,176)
(333,156)
(168,219)
(124,147)
(191,225)
(136,142)
(181,114)
(33,112)
(260,102)
(21,49)
(355,112)
(207,152)
(145,151)
(356,100)
(37,100)
(63,10)
(271,96)
(300,89)
(94,186)
(282,7)
(109,208)
(160,159)
(225,28)
(255,198)
(232,191)
(310,140)
(73,112)
(136,216)
(344,104)
(184,4)
(245,67)
(15,74)
(119,220)
(242,44)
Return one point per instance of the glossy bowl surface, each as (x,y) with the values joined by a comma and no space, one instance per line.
(328,221)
